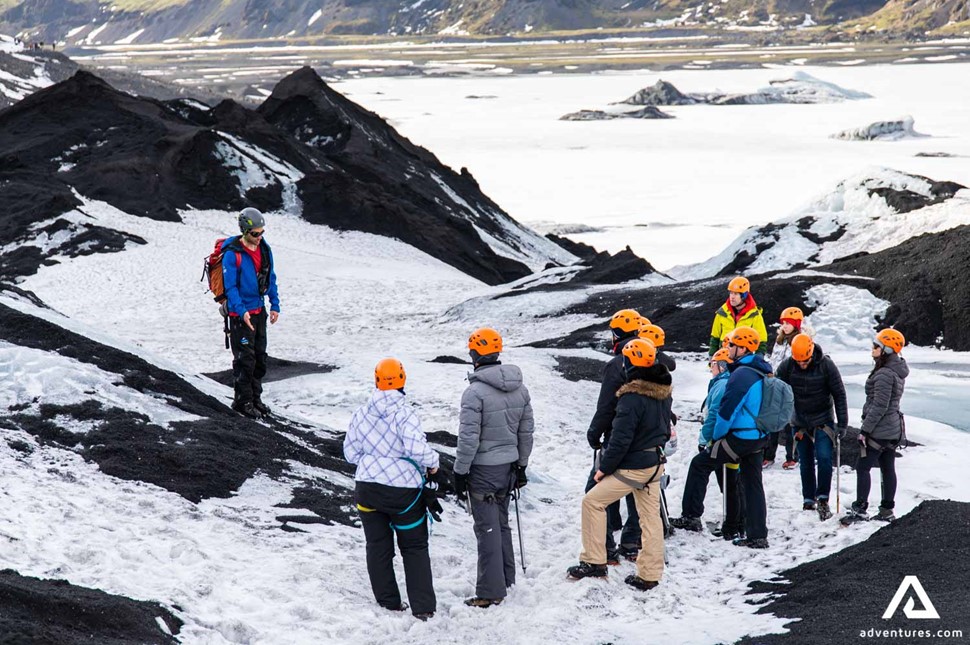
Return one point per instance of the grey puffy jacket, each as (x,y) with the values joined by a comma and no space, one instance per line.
(884,389)
(495,424)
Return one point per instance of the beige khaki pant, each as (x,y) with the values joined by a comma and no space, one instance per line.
(650,563)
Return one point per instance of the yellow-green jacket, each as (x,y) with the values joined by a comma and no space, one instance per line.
(724,323)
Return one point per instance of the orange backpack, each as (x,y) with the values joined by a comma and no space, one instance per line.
(212,270)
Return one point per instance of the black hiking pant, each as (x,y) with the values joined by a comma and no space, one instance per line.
(886,460)
(488,488)
(749,455)
(248,356)
(383,514)
(695,490)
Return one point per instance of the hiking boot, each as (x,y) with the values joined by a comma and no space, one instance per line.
(423,617)
(402,607)
(247,409)
(824,512)
(767,463)
(628,552)
(613,557)
(808,506)
(884,515)
(261,407)
(857,513)
(790,464)
(639,583)
(731,533)
(752,543)
(483,603)
(688,523)
(587,570)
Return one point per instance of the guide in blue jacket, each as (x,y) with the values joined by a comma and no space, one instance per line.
(736,435)
(249,277)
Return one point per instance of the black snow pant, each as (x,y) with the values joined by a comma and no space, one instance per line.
(886,459)
(749,454)
(488,488)
(384,512)
(785,438)
(248,356)
(698,475)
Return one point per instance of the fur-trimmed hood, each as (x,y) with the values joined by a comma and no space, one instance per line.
(646,388)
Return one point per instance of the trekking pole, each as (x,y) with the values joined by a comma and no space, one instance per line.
(518,526)
(838,474)
(724,494)
(664,516)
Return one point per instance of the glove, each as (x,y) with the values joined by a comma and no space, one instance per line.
(520,478)
(430,497)
(841,432)
(702,447)
(593,440)
(461,487)
(671,447)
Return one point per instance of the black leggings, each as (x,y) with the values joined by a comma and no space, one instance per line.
(886,459)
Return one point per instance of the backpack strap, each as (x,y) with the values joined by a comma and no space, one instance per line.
(745,407)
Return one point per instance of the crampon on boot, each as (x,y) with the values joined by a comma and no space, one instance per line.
(824,512)
(587,570)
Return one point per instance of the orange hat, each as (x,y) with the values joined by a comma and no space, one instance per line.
(739,285)
(792,313)
(721,355)
(626,320)
(485,341)
(891,341)
(640,353)
(389,375)
(653,333)
(802,347)
(747,338)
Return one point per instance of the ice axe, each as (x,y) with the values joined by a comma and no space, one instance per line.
(518,526)
(838,474)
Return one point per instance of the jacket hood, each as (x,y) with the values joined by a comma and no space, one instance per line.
(897,364)
(507,378)
(757,361)
(646,388)
(385,403)
(620,344)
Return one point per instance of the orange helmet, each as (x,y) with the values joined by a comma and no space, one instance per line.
(739,285)
(891,341)
(485,341)
(640,352)
(653,333)
(389,375)
(721,355)
(747,338)
(626,320)
(802,347)
(727,339)
(792,313)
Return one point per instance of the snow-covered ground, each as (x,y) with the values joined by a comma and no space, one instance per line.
(349,300)
(676,190)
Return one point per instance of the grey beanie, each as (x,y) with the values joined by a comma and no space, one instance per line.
(251,218)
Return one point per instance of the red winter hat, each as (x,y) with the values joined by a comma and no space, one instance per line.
(794,322)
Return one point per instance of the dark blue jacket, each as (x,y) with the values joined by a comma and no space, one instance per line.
(243,289)
(641,424)
(742,399)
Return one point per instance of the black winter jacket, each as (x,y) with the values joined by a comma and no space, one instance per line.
(642,422)
(816,389)
(613,380)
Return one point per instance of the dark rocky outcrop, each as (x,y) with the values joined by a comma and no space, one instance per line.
(345,166)
(279,369)
(660,93)
(35,611)
(929,542)
(648,112)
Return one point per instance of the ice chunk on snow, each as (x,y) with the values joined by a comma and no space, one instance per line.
(901,128)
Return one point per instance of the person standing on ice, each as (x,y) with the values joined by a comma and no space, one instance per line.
(494,444)
(817,386)
(249,277)
(392,454)
(736,435)
(632,463)
(703,463)
(792,324)
(625,326)
(883,426)
(740,310)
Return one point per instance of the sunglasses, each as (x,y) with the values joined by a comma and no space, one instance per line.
(876,346)
(255,233)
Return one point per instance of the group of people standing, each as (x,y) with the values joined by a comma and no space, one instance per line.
(632,434)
